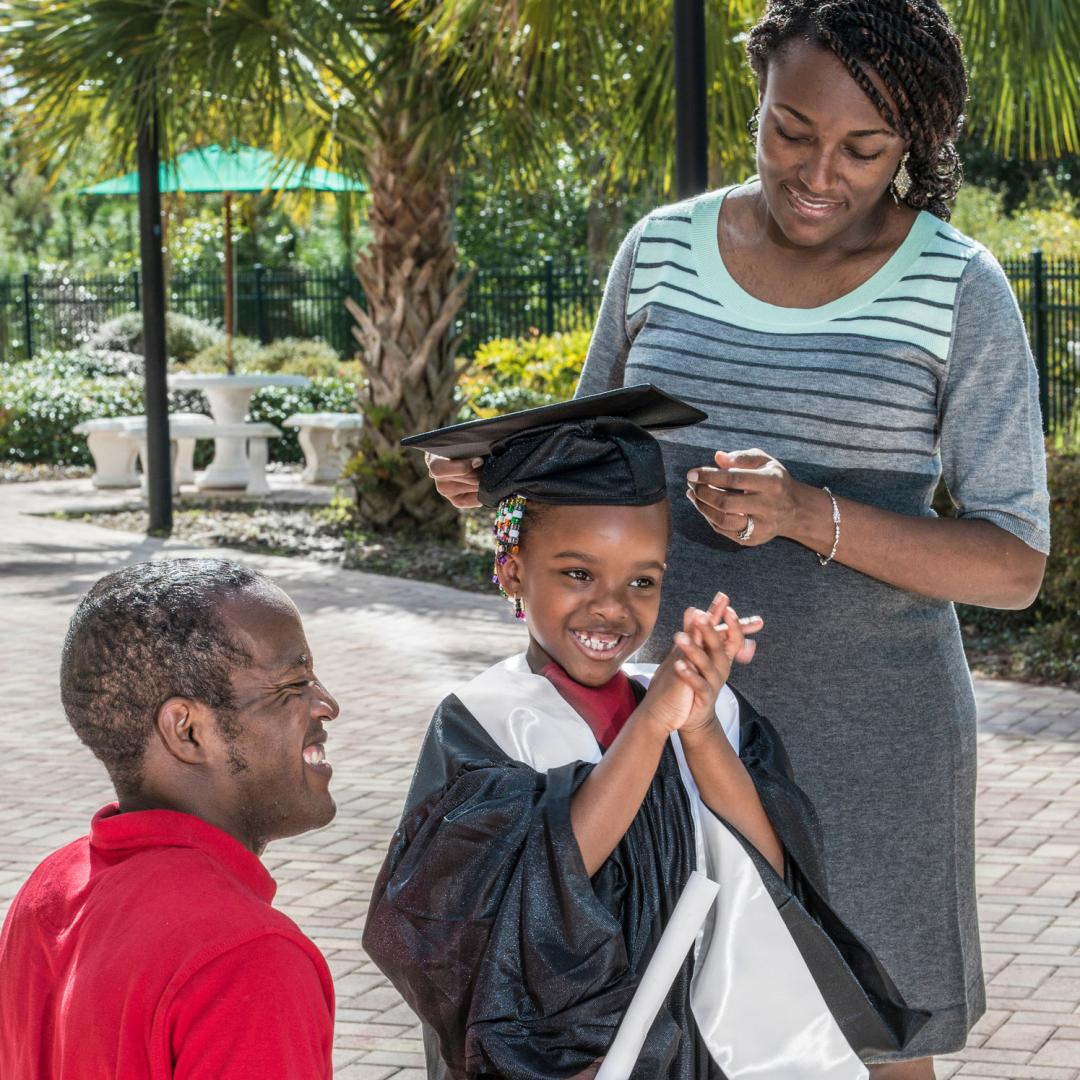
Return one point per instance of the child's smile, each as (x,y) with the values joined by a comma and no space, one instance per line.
(597,644)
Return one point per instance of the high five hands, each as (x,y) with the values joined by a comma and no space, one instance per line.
(746,485)
(684,690)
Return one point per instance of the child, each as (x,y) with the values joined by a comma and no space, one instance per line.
(558,808)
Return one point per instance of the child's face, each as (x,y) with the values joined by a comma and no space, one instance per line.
(590,578)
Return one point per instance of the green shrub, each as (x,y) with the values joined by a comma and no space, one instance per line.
(299,356)
(276,404)
(43,399)
(1060,596)
(185,336)
(213,358)
(41,407)
(1041,643)
(518,373)
(80,363)
(1047,220)
(289,356)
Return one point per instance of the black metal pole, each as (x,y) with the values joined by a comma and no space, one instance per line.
(1039,337)
(158,463)
(691,130)
(28,317)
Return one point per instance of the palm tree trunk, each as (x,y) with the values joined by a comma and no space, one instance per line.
(407,341)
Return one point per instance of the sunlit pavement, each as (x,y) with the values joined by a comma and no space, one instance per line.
(389,650)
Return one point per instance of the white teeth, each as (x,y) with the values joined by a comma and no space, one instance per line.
(314,754)
(598,644)
(813,203)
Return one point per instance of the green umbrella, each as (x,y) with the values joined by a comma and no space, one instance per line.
(239,168)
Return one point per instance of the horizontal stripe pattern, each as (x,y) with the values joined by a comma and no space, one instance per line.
(859,389)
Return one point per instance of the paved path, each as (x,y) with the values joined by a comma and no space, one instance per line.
(391,649)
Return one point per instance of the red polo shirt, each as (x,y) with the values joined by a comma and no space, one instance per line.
(149,949)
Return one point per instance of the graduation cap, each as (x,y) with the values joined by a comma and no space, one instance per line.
(591,450)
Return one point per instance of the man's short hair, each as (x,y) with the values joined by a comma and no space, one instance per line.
(140,636)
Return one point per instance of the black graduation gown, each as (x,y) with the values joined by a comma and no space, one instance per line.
(520,966)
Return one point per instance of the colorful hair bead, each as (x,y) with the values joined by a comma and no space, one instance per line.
(507,532)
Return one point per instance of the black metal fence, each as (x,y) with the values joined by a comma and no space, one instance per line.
(59,313)
(1048,291)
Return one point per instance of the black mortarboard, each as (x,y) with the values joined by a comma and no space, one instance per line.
(591,450)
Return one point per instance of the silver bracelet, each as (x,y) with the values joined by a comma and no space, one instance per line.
(826,559)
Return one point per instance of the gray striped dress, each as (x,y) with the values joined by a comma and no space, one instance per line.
(921,371)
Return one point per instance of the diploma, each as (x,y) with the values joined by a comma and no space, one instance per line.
(694,904)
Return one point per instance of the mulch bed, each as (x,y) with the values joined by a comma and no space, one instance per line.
(322,533)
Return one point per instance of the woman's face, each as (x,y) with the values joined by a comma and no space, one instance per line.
(825,155)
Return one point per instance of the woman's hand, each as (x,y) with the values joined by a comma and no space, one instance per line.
(745,485)
(458,481)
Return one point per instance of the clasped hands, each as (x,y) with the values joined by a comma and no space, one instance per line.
(682,694)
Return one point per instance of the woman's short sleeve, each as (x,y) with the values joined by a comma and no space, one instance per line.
(606,359)
(992,455)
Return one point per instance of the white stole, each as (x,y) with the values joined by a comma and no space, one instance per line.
(759,1010)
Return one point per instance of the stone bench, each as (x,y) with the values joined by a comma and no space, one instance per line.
(323,439)
(257,436)
(115,455)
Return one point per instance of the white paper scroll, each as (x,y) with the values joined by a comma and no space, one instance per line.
(690,911)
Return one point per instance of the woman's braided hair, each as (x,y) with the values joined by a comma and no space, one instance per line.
(916,54)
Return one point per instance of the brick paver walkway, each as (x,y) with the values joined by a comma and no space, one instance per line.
(390,650)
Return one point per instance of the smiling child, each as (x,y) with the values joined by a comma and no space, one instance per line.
(563,797)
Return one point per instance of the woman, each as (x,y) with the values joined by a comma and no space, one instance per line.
(827,314)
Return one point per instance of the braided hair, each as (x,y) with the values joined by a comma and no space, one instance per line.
(912,48)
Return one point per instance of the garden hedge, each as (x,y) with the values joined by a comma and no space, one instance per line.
(42,400)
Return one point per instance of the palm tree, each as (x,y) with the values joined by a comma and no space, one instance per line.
(405,90)
(604,70)
(340,77)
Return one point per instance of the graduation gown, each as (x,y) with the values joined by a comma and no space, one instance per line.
(521,966)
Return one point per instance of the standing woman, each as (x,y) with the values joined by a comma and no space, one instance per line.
(827,315)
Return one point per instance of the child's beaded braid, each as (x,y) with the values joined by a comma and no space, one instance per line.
(507,531)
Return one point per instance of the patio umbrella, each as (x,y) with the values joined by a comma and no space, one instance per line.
(212,169)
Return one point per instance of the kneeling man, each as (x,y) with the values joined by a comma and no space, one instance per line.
(149,948)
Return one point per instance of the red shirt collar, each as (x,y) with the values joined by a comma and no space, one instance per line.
(604,708)
(123,834)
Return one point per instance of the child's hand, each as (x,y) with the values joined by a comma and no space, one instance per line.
(683,692)
(708,644)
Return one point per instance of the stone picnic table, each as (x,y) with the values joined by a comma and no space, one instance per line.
(229,397)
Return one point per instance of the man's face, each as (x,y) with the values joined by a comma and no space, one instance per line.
(280,780)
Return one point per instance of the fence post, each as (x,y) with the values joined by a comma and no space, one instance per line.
(260,328)
(1039,343)
(135,297)
(28,322)
(549,294)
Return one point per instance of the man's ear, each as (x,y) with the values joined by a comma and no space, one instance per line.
(510,577)
(187,730)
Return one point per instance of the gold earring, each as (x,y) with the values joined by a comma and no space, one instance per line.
(901,183)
